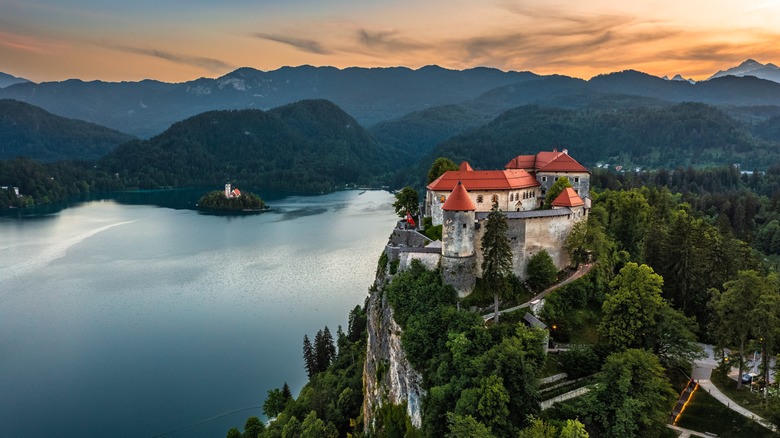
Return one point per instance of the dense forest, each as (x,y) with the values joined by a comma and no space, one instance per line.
(29,131)
(307,146)
(681,135)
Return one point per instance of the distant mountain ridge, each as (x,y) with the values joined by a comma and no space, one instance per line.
(7,80)
(753,68)
(148,107)
(29,131)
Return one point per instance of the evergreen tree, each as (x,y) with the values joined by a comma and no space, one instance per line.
(309,358)
(497,256)
(286,393)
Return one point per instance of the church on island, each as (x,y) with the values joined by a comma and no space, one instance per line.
(460,201)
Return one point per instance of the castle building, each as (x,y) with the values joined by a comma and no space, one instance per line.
(461,200)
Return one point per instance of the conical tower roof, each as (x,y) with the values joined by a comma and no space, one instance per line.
(459,200)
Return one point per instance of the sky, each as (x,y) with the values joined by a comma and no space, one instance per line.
(181,40)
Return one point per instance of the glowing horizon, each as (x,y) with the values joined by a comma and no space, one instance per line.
(48,40)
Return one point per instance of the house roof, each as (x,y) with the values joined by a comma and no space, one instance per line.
(546,161)
(568,198)
(466,167)
(484,179)
(459,200)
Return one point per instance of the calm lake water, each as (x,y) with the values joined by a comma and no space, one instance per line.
(127,318)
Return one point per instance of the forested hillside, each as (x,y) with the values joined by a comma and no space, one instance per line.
(29,131)
(309,145)
(681,135)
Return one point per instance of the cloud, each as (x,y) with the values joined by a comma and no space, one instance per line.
(386,41)
(210,64)
(306,45)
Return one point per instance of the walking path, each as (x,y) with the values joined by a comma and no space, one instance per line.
(582,270)
(685,433)
(721,397)
(702,370)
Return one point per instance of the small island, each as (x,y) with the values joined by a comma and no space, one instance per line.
(231,200)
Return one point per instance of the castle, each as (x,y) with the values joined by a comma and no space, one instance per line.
(460,201)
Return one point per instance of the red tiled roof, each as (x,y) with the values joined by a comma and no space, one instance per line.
(485,180)
(563,163)
(466,167)
(459,200)
(546,162)
(568,198)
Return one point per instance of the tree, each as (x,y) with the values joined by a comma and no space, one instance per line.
(406,201)
(632,307)
(496,256)
(573,429)
(558,186)
(440,165)
(466,426)
(541,271)
(735,316)
(632,396)
(324,350)
(233,433)
(309,358)
(357,324)
(275,403)
(539,429)
(253,427)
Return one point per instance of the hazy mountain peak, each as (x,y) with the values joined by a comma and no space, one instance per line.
(751,67)
(8,80)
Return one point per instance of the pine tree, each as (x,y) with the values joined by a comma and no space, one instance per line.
(497,256)
(309,359)
(286,393)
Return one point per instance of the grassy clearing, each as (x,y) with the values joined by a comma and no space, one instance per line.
(706,414)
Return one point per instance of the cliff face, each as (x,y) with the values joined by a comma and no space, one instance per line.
(388,377)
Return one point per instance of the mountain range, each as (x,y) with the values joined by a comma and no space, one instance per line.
(148,107)
(8,80)
(753,68)
(373,95)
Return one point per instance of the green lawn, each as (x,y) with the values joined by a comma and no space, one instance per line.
(705,414)
(748,400)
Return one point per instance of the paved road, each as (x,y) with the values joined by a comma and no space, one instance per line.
(582,270)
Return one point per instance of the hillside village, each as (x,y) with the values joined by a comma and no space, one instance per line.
(460,201)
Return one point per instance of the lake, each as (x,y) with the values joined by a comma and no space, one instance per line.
(137,316)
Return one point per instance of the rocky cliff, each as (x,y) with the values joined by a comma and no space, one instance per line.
(388,377)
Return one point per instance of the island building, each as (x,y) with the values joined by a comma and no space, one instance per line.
(234,193)
(461,200)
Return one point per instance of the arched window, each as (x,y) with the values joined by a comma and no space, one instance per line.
(511,197)
(479,198)
(494,199)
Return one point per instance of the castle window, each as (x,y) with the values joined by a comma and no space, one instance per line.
(576,179)
(494,199)
(544,178)
(479,198)
(511,197)
(464,226)
(556,178)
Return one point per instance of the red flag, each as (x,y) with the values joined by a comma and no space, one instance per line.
(410,220)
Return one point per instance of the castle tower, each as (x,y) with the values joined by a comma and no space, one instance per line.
(458,260)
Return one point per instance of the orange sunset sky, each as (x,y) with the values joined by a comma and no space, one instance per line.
(180,40)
